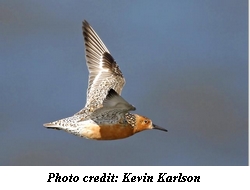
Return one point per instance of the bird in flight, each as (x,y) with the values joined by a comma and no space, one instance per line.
(106,115)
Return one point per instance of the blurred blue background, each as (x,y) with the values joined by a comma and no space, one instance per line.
(185,64)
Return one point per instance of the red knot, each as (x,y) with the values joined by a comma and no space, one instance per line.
(106,115)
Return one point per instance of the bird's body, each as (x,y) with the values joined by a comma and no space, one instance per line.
(106,114)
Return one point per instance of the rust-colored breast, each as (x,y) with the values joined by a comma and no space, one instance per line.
(107,132)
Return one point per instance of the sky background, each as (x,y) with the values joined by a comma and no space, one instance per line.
(185,64)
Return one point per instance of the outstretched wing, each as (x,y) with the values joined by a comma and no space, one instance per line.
(104,72)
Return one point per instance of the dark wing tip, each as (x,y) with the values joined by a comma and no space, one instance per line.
(111,93)
(85,25)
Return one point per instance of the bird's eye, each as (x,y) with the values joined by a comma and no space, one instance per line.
(145,121)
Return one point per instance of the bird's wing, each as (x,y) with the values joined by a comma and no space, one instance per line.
(113,103)
(104,72)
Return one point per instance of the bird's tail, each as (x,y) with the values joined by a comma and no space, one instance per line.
(52,126)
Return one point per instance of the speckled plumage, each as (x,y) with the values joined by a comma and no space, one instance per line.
(106,114)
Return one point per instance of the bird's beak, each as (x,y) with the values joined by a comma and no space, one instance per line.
(159,128)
